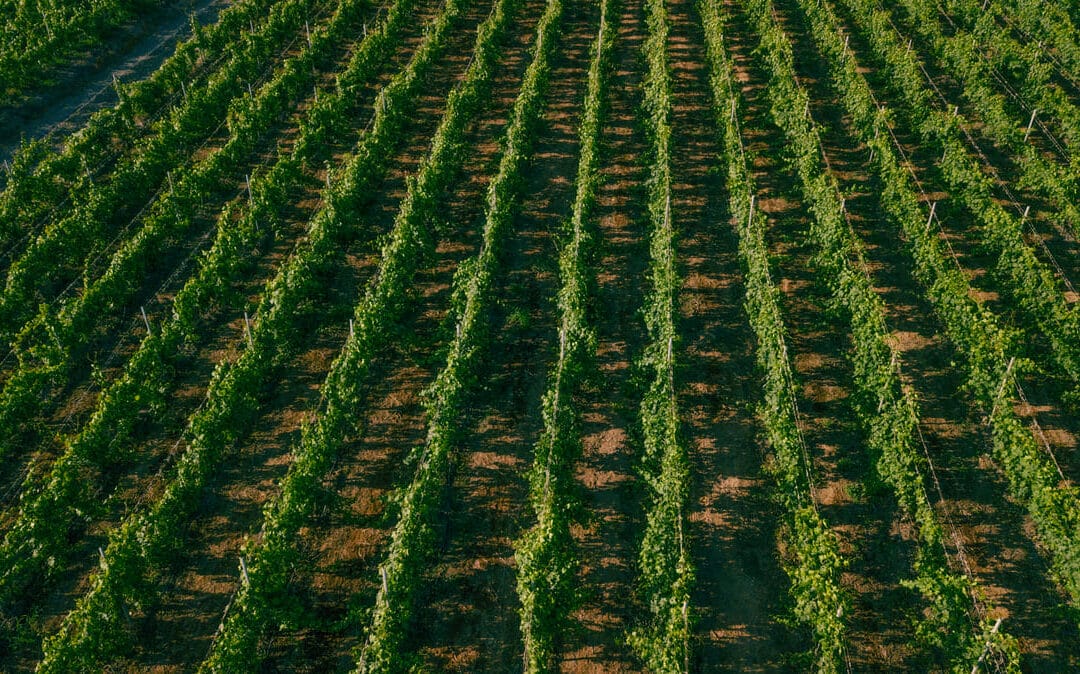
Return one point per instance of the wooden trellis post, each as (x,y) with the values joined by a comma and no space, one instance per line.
(986,648)
(1031,122)
(1001,389)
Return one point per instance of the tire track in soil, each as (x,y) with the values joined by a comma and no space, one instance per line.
(85,86)
(608,539)
(879,550)
(156,438)
(994,530)
(733,524)
(469,614)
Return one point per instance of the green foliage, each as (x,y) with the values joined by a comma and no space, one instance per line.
(146,540)
(663,642)
(1029,281)
(262,600)
(812,559)
(36,38)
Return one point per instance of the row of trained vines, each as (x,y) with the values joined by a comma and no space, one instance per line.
(888,411)
(545,554)
(417,504)
(666,574)
(814,563)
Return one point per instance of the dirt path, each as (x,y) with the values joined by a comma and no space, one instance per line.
(86,87)
(608,540)
(469,617)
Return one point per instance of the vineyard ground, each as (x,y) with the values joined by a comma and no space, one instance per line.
(466,607)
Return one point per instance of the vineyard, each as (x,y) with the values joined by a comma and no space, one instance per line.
(540,335)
